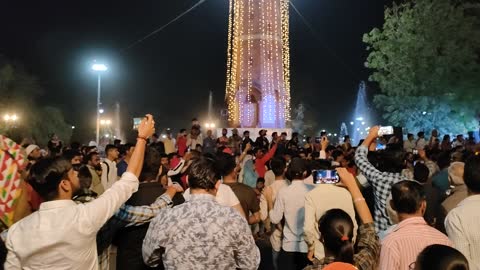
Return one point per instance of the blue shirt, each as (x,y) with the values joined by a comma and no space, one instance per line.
(122,167)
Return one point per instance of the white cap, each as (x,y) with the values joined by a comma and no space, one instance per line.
(30,149)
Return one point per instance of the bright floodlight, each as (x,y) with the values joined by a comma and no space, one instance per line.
(73,127)
(101,111)
(351,123)
(359,118)
(99,67)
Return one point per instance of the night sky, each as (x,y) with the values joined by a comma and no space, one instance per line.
(171,73)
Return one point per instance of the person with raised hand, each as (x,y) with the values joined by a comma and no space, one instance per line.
(62,234)
(336,230)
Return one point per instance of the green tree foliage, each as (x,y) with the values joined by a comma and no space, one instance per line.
(19,92)
(426,59)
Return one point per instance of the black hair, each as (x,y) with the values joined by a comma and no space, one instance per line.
(407,197)
(84,177)
(182,130)
(260,180)
(110,147)
(471,174)
(46,175)
(201,173)
(320,164)
(245,132)
(151,165)
(89,157)
(440,257)
(421,134)
(75,145)
(336,229)
(126,147)
(296,168)
(70,154)
(278,165)
(225,164)
(443,160)
(336,154)
(421,173)
(391,160)
(409,135)
(330,148)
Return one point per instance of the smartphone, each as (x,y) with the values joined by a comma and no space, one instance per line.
(385,131)
(136,122)
(325,177)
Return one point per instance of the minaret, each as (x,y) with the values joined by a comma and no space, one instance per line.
(258,64)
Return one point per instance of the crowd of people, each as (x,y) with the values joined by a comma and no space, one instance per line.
(195,201)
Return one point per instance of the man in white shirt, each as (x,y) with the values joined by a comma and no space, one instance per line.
(62,234)
(268,197)
(421,142)
(318,201)
(409,144)
(109,166)
(462,222)
(169,143)
(290,204)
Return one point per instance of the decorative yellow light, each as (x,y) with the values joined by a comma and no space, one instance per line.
(286,56)
(258,42)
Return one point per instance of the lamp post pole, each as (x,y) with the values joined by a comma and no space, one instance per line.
(99,89)
(99,68)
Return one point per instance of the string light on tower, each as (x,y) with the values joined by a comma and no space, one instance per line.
(258,59)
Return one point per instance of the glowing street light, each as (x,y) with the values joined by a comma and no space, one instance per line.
(210,125)
(10,117)
(351,123)
(101,111)
(105,122)
(99,68)
(73,127)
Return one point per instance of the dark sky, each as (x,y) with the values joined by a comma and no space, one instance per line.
(171,73)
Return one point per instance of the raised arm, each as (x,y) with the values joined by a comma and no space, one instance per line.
(270,153)
(361,156)
(101,209)
(368,247)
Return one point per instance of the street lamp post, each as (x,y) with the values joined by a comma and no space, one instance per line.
(99,68)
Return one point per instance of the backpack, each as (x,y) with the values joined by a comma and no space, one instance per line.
(108,169)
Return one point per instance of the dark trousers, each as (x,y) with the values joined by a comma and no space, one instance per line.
(292,260)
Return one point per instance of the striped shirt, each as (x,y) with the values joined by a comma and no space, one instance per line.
(402,246)
(462,227)
(382,184)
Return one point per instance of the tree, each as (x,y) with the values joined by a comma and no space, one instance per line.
(19,91)
(425,59)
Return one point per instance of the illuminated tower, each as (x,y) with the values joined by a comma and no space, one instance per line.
(258,64)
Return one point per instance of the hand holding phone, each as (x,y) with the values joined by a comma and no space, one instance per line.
(325,177)
(388,130)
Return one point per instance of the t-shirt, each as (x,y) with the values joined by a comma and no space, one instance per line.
(225,196)
(121,167)
(182,145)
(247,197)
